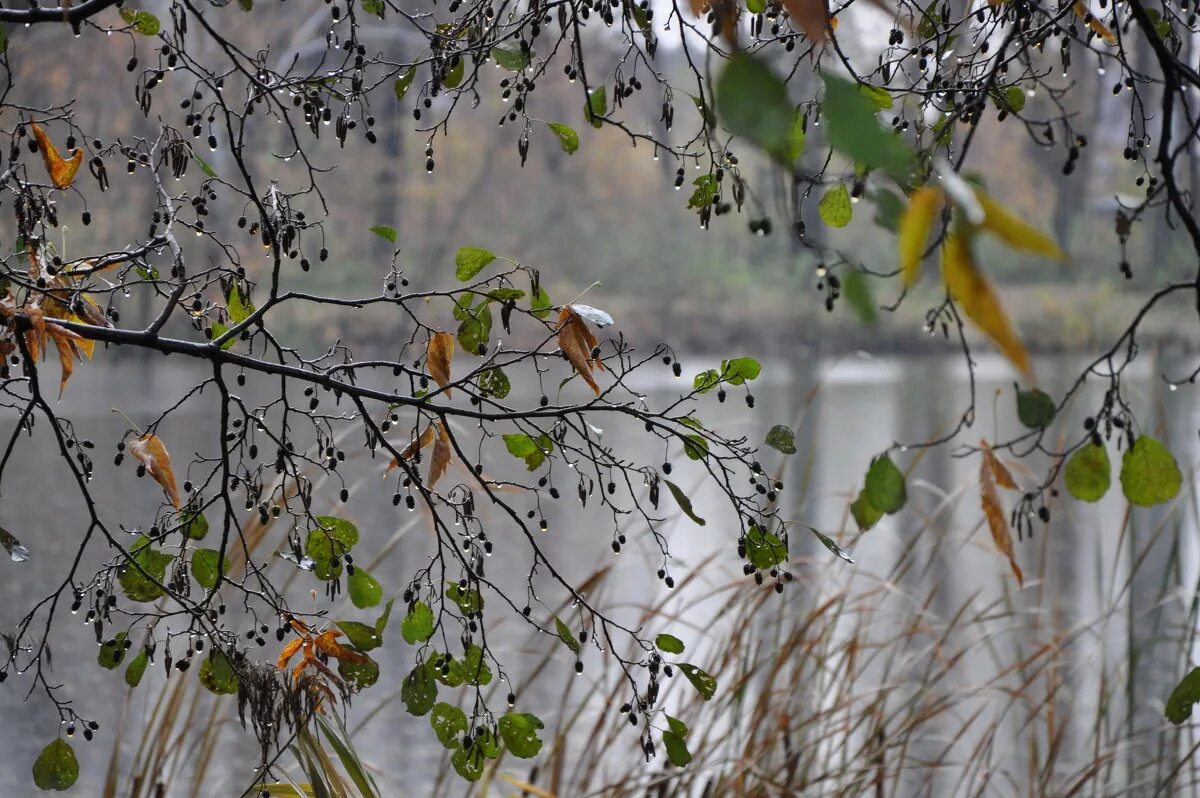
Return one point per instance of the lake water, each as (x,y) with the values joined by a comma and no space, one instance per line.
(1077,571)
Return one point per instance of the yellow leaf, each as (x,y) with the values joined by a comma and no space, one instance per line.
(975,296)
(61,171)
(441,456)
(150,451)
(1015,232)
(993,511)
(438,356)
(1095,24)
(288,652)
(924,205)
(577,342)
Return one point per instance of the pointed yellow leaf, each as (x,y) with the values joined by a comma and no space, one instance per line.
(1015,232)
(924,205)
(975,296)
(62,171)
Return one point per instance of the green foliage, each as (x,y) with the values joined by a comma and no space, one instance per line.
(595,107)
(449,724)
(417,626)
(532,450)
(669,644)
(467,599)
(238,304)
(1149,474)
(494,382)
(764,549)
(885,490)
(204,567)
(360,675)
(1183,698)
(684,502)
(142,22)
(752,102)
(475,327)
(854,131)
(360,635)
(419,690)
(140,579)
(568,139)
(705,684)
(137,668)
(195,525)
(835,208)
(865,515)
(1087,474)
(470,261)
(857,292)
(217,674)
(403,82)
(112,651)
(677,750)
(1035,408)
(514,59)
(565,635)
(386,233)
(519,731)
(56,767)
(782,439)
(364,590)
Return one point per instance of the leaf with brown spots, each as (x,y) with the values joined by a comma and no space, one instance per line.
(441,456)
(438,357)
(993,511)
(62,171)
(573,339)
(150,451)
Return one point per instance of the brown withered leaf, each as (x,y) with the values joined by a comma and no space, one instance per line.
(411,450)
(67,343)
(288,652)
(993,511)
(441,456)
(1003,476)
(150,451)
(438,357)
(812,16)
(573,337)
(62,171)
(36,337)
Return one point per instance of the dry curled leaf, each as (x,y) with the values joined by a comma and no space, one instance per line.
(416,445)
(150,451)
(1003,476)
(438,356)
(993,511)
(326,643)
(577,343)
(812,16)
(62,171)
(1098,27)
(441,456)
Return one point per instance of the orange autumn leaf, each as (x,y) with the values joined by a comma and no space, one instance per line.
(62,171)
(1098,27)
(438,356)
(411,450)
(968,287)
(573,339)
(150,451)
(441,456)
(67,344)
(326,643)
(1003,476)
(812,16)
(993,511)
(288,652)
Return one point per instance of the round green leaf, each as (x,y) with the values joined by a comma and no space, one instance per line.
(56,767)
(217,674)
(1035,408)
(333,537)
(417,626)
(1149,474)
(568,139)
(418,691)
(364,590)
(449,724)
(669,644)
(112,651)
(361,675)
(1087,473)
(835,208)
(782,439)
(885,489)
(204,567)
(519,732)
(470,261)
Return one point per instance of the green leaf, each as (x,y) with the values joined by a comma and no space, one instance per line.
(419,691)
(56,767)
(468,763)
(475,329)
(642,20)
(204,567)
(764,549)
(417,626)
(513,59)
(375,7)
(246,5)
(204,167)
(885,485)
(781,438)
(888,209)
(705,381)
(752,102)
(1087,474)
(669,644)
(568,139)
(695,447)
(468,600)
(364,590)
(519,732)
(705,685)
(879,97)
(143,22)
(217,674)
(740,370)
(532,450)
(470,261)
(449,724)
(136,668)
(361,636)
(1014,98)
(1035,408)
(684,502)
(112,651)
(333,537)
(219,329)
(404,81)
(1149,474)
(494,382)
(835,208)
(676,726)
(564,634)
(756,6)
(454,74)
(361,675)
(707,187)
(853,130)
(796,139)
(195,525)
(865,514)
(595,107)
(473,668)
(136,586)
(385,232)
(382,621)
(677,750)
(540,305)
(828,543)
(857,292)
(1184,697)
